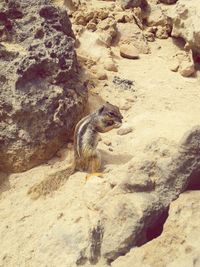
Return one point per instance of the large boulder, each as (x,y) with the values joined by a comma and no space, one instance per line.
(179,243)
(143,190)
(41,96)
(186,21)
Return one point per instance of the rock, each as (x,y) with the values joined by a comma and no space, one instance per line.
(160,21)
(183,62)
(122,215)
(126,106)
(79,19)
(109,65)
(186,22)
(179,242)
(149,36)
(174,65)
(93,50)
(72,4)
(125,130)
(132,3)
(91,26)
(123,17)
(163,32)
(71,239)
(153,180)
(156,16)
(107,31)
(94,190)
(107,142)
(130,33)
(99,73)
(186,69)
(129,51)
(41,97)
(107,217)
(169,2)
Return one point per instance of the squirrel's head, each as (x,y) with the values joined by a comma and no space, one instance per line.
(109,117)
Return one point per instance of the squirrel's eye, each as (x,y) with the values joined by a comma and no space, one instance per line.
(111,114)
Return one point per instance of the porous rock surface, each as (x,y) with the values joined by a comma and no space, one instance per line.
(41,96)
(185,17)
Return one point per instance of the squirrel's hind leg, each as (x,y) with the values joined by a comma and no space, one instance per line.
(94,165)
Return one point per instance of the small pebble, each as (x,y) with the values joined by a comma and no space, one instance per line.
(124,131)
(107,142)
(126,106)
(130,99)
(60,215)
(129,51)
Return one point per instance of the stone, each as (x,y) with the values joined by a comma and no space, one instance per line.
(179,242)
(124,130)
(186,69)
(174,65)
(126,106)
(71,239)
(132,3)
(72,4)
(156,16)
(129,51)
(93,192)
(107,142)
(101,74)
(130,33)
(169,2)
(185,20)
(152,182)
(41,96)
(158,19)
(107,31)
(163,32)
(80,19)
(120,214)
(149,36)
(91,26)
(183,62)
(109,65)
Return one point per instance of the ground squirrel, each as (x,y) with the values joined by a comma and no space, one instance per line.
(86,156)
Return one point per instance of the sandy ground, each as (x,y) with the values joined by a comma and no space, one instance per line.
(162,104)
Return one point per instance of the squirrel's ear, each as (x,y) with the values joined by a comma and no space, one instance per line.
(101,109)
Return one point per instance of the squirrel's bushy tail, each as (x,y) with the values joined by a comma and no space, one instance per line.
(52,181)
